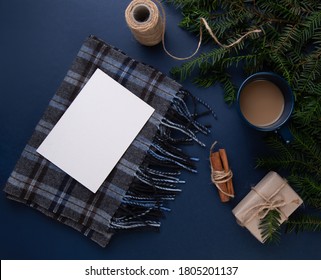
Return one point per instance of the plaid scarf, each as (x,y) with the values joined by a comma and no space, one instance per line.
(134,195)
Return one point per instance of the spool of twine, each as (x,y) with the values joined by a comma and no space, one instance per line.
(148,26)
(145,22)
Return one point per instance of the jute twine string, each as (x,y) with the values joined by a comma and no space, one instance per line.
(271,203)
(220,177)
(148,26)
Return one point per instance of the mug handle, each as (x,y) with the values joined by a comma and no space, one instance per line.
(285,133)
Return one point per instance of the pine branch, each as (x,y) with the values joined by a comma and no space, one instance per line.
(279,10)
(303,223)
(270,227)
(298,157)
(229,88)
(311,24)
(281,65)
(310,70)
(195,4)
(308,188)
(282,155)
(285,42)
(209,58)
(310,151)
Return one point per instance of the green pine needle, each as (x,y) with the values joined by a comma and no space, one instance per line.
(270,227)
(304,223)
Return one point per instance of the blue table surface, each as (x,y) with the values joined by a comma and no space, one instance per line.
(39,40)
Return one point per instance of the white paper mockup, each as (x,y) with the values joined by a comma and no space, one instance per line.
(95,131)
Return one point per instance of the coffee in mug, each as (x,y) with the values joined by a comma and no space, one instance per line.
(261,102)
(265,102)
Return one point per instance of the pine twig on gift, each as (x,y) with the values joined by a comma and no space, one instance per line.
(270,227)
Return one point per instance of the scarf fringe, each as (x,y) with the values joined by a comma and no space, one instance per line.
(155,182)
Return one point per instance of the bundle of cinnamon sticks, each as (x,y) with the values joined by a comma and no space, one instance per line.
(221,174)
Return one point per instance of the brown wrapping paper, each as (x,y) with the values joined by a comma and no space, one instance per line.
(271,190)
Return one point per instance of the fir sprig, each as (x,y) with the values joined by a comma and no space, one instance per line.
(270,227)
(302,156)
(309,189)
(304,223)
(288,27)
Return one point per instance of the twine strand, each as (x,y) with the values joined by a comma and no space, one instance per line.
(220,177)
(149,26)
(270,203)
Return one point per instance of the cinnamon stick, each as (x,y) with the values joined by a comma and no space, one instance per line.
(229,183)
(216,163)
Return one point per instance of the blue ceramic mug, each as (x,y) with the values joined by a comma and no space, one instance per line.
(266,101)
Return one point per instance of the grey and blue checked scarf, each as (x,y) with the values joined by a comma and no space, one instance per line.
(135,193)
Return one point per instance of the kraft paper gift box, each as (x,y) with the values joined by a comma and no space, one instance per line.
(272,192)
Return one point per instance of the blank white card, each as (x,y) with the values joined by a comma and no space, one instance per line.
(96,130)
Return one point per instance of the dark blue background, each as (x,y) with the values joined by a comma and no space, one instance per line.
(39,40)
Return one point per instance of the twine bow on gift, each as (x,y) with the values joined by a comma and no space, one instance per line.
(271,203)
